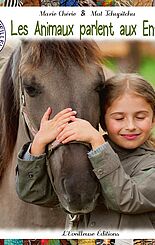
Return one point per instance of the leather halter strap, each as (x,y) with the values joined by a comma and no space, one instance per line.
(30,128)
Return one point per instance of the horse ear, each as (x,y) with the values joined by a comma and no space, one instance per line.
(105,73)
(108,73)
(102,75)
(9,109)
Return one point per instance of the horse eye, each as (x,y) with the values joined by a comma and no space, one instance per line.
(32,89)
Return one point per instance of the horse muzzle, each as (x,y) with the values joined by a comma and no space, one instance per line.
(79,202)
(73,180)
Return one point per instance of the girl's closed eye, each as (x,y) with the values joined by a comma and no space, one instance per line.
(119,119)
(141,116)
(118,116)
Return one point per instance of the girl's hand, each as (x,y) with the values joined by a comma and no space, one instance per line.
(81,130)
(49,129)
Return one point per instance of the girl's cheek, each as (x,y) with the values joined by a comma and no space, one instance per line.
(145,125)
(113,126)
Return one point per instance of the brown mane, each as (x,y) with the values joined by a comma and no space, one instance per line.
(9,114)
(81,53)
(60,51)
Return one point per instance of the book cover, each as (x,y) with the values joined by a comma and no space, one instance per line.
(60,57)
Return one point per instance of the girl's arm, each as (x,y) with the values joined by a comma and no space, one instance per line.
(122,193)
(81,130)
(50,128)
(32,181)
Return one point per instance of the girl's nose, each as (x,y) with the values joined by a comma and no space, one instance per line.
(130,125)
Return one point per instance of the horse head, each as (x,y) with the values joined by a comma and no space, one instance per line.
(60,75)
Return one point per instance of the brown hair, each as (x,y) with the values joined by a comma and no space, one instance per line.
(121,83)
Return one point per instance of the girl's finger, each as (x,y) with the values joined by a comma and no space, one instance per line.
(65,135)
(69,126)
(63,132)
(67,115)
(62,113)
(61,127)
(46,115)
(65,120)
(68,139)
(73,118)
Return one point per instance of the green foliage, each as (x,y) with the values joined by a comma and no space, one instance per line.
(147,69)
(111,63)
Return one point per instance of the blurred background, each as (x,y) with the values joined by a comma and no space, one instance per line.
(119,56)
(132,56)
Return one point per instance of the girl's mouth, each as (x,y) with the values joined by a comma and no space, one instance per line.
(130,136)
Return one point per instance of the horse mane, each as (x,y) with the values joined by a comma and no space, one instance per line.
(60,52)
(9,116)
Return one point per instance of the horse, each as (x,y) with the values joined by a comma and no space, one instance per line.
(59,74)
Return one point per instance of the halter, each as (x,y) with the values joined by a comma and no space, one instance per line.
(30,128)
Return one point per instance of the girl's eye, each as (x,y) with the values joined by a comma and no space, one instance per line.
(119,119)
(140,118)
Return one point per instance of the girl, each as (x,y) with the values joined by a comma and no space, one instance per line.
(123,160)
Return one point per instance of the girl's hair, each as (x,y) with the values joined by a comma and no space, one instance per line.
(120,84)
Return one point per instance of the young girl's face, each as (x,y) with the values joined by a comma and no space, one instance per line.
(129,120)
